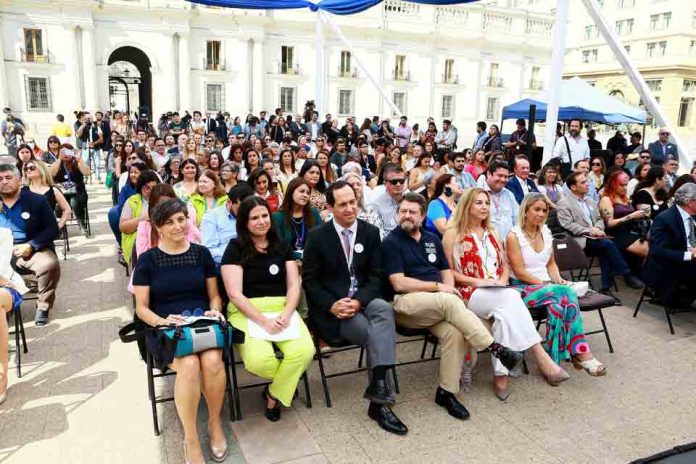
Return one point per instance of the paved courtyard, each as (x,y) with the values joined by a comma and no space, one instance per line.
(83,397)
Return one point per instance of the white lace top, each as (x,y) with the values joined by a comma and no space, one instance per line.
(535,262)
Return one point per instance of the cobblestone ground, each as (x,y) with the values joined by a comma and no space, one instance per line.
(83,399)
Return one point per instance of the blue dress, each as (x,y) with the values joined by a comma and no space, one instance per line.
(437,209)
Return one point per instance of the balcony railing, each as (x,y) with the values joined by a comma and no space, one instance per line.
(290,69)
(399,9)
(401,75)
(496,21)
(450,78)
(451,16)
(214,65)
(350,72)
(536,85)
(495,82)
(538,27)
(31,57)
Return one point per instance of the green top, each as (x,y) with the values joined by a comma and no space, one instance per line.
(285,230)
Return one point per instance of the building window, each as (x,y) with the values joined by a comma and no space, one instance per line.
(656,49)
(624,27)
(655,85)
(400,100)
(287,60)
(660,21)
(589,56)
(688,85)
(400,68)
(447,107)
(38,90)
(448,77)
(346,102)
(492,109)
(685,107)
(33,46)
(212,55)
(214,97)
(591,32)
(346,69)
(534,81)
(493,80)
(287,99)
(626,3)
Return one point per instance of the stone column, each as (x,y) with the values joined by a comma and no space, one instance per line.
(3,79)
(89,69)
(184,74)
(260,99)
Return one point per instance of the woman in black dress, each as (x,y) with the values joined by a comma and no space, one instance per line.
(37,179)
(69,173)
(174,277)
(651,194)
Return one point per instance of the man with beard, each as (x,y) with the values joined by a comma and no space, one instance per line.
(425,297)
(571,148)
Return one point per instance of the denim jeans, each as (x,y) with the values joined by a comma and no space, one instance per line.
(610,259)
(114,216)
(96,158)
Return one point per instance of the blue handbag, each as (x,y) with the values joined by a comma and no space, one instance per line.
(201,335)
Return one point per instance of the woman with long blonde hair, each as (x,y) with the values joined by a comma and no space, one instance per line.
(37,179)
(481,274)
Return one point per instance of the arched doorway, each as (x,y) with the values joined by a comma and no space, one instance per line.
(130,81)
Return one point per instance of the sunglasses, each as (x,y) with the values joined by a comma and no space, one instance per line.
(596,164)
(119,145)
(208,140)
(664,133)
(397,181)
(29,168)
(53,141)
(240,136)
(645,157)
(132,158)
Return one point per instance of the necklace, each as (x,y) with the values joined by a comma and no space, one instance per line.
(536,234)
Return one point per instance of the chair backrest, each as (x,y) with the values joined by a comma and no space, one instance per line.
(568,253)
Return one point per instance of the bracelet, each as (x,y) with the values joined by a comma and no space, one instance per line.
(437,286)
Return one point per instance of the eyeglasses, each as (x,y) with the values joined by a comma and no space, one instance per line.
(240,136)
(397,181)
(53,141)
(208,140)
(160,145)
(664,133)
(29,168)
(117,145)
(132,158)
(596,164)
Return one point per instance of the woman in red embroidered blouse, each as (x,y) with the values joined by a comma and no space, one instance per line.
(481,274)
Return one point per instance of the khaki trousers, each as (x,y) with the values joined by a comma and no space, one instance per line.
(45,265)
(448,318)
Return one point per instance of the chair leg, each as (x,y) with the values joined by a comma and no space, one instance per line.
(308,395)
(425,347)
(640,301)
(362,355)
(20,320)
(432,354)
(18,348)
(606,330)
(235,385)
(322,373)
(668,313)
(151,392)
(525,369)
(228,387)
(397,390)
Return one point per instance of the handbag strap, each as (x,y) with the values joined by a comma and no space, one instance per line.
(133,331)
(570,157)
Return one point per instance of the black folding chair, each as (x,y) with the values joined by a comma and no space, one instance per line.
(18,332)
(672,307)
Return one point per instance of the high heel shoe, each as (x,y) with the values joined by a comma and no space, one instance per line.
(556,379)
(3,396)
(219,454)
(591,366)
(272,414)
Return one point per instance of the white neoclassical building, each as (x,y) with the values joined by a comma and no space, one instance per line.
(460,62)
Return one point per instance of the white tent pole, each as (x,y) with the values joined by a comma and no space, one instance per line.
(334,27)
(320,73)
(555,77)
(634,75)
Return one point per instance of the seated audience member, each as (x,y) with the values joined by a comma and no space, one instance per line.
(173,277)
(440,208)
(549,184)
(504,206)
(229,171)
(596,175)
(386,204)
(671,166)
(38,180)
(416,177)
(535,275)
(69,172)
(426,297)
(582,166)
(296,217)
(619,164)
(311,172)
(579,216)
(651,194)
(342,280)
(209,195)
(219,225)
(34,228)
(476,257)
(670,269)
(628,226)
(135,210)
(11,290)
(146,234)
(114,214)
(520,184)
(262,183)
(478,166)
(456,168)
(188,185)
(683,179)
(263,285)
(641,175)
(366,214)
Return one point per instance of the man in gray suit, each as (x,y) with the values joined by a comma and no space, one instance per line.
(661,148)
(579,216)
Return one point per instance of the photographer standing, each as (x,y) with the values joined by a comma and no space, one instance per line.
(90,139)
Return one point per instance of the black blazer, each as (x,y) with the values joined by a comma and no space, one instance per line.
(665,266)
(325,276)
(41,225)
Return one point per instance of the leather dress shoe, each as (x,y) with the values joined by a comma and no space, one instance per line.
(386,419)
(41,317)
(633,282)
(272,414)
(510,359)
(378,392)
(450,402)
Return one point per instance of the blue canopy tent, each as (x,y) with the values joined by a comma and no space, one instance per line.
(583,101)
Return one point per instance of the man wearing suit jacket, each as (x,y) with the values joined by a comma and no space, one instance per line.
(661,148)
(34,227)
(579,216)
(520,184)
(671,261)
(342,279)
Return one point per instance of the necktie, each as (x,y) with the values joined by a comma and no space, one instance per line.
(692,233)
(345,237)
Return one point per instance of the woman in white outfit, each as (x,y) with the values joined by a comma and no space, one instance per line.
(478,263)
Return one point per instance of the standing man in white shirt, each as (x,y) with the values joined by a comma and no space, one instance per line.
(572,147)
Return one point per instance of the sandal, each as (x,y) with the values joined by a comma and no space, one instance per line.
(591,366)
